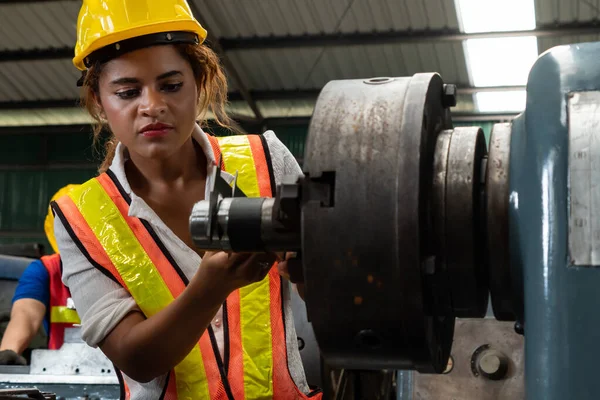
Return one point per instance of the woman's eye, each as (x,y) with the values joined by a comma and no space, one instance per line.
(172,87)
(127,94)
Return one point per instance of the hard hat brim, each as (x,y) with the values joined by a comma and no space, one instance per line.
(160,27)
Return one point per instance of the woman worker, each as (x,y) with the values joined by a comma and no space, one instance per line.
(178,324)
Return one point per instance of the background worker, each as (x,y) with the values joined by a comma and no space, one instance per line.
(40,298)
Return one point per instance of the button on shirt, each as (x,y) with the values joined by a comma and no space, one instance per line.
(102,303)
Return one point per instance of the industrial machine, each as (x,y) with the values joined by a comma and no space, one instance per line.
(435,266)
(405,226)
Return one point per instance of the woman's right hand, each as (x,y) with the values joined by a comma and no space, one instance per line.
(145,348)
(231,271)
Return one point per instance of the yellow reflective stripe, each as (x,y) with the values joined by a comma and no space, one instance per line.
(190,377)
(143,280)
(237,156)
(63,315)
(127,255)
(255,321)
(255,307)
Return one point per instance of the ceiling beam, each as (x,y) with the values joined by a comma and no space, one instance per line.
(489,89)
(37,104)
(482,117)
(398,37)
(61,53)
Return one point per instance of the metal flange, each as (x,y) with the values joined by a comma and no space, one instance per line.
(458,204)
(504,301)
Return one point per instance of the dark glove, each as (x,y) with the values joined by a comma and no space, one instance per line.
(9,357)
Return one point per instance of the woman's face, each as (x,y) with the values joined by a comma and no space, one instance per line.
(149,98)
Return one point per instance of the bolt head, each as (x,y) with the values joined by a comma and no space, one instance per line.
(449,96)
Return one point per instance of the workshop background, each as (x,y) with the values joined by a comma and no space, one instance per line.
(278,55)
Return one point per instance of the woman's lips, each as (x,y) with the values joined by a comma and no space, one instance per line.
(156,132)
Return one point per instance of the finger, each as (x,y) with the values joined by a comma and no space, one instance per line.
(260,264)
(282,268)
(228,260)
(238,260)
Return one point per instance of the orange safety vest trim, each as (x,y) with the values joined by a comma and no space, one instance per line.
(61,316)
(255,363)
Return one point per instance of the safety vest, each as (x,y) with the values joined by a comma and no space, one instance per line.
(126,249)
(62,314)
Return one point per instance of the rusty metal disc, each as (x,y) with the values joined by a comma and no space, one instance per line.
(459,184)
(372,291)
(501,285)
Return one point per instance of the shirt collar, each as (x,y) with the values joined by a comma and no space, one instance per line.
(138,207)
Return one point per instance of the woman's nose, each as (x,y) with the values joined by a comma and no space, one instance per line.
(152,104)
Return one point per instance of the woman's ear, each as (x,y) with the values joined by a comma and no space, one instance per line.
(98,106)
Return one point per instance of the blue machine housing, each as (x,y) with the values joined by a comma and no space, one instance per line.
(561,318)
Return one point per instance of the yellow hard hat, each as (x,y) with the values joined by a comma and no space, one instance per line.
(49,221)
(111,24)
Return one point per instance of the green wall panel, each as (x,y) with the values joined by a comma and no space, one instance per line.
(33,166)
(294,138)
(24,198)
(17,149)
(75,148)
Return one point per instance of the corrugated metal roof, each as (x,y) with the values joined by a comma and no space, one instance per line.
(38,25)
(38,80)
(286,108)
(233,18)
(312,68)
(240,108)
(41,117)
(566,11)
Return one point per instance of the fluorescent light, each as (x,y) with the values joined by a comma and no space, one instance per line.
(501,101)
(495,15)
(501,61)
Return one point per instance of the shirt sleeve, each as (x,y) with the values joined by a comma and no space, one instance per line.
(34,283)
(100,302)
(283,161)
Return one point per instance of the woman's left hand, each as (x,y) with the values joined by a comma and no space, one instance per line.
(282,265)
(283,269)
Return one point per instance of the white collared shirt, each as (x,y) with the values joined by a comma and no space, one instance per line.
(102,303)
